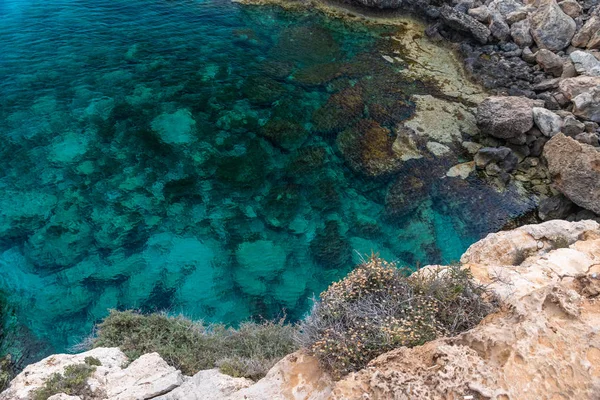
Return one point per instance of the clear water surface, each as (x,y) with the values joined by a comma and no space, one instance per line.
(187,156)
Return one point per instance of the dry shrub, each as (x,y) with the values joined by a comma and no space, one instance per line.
(248,351)
(379,307)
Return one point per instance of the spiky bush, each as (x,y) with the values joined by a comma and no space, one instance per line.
(379,307)
(249,351)
(73,381)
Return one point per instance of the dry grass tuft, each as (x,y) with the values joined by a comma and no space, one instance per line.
(379,307)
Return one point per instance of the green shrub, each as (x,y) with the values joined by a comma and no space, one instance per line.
(7,372)
(92,361)
(73,381)
(379,307)
(248,351)
(8,331)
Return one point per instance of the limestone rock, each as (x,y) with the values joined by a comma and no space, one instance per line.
(35,375)
(145,378)
(530,350)
(441,120)
(551,63)
(208,384)
(62,396)
(585,63)
(575,170)
(547,122)
(461,170)
(551,28)
(465,23)
(296,377)
(505,117)
(512,247)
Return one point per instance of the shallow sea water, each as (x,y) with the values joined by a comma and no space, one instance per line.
(186,156)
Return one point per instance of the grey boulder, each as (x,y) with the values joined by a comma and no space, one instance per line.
(547,122)
(465,23)
(551,28)
(587,105)
(575,170)
(585,63)
(505,117)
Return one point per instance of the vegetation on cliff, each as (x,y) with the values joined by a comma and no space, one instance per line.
(379,307)
(376,308)
(7,363)
(73,381)
(248,351)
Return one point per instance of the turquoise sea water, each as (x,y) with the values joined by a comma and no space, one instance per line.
(187,156)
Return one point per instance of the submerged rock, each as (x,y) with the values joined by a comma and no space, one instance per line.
(367,148)
(176,128)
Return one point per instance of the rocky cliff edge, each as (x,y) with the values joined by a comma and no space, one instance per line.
(542,344)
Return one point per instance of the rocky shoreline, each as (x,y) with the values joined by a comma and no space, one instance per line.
(540,62)
(538,132)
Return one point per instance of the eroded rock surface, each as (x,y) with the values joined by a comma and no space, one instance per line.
(145,378)
(542,344)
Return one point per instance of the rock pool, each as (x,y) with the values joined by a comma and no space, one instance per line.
(218,161)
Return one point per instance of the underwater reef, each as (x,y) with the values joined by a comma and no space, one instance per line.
(222,161)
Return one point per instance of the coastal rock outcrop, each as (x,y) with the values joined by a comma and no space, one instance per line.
(145,378)
(575,169)
(525,351)
(547,279)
